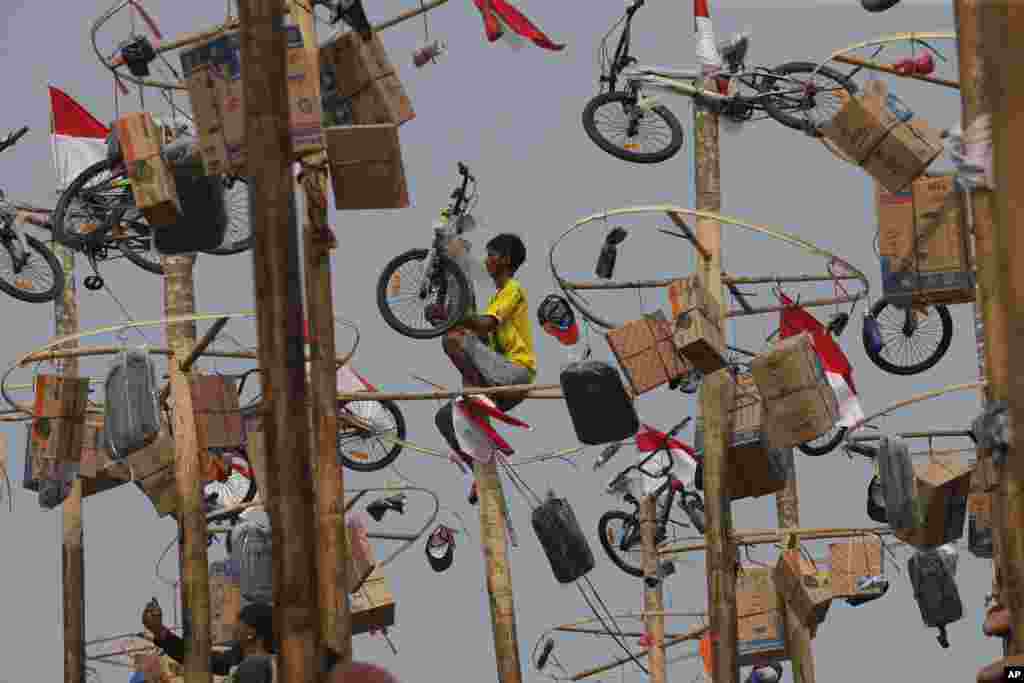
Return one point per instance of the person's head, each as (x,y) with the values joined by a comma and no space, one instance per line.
(362,672)
(505,253)
(256,626)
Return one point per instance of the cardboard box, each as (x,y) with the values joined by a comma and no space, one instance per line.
(361,557)
(861,124)
(198,72)
(851,561)
(60,405)
(941,486)
(904,154)
(97,470)
(761,631)
(644,350)
(979,505)
(697,331)
(153,186)
(225,602)
(139,136)
(923,246)
(373,605)
(216,409)
(807,591)
(364,74)
(366,167)
(152,471)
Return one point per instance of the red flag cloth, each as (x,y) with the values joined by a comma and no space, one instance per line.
(78,139)
(793,320)
(71,119)
(497,13)
(649,439)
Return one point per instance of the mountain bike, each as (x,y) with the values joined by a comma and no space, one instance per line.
(906,340)
(29,271)
(785,93)
(439,291)
(619,531)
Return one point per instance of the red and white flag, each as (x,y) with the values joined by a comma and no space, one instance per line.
(707,50)
(794,320)
(648,440)
(502,20)
(79,139)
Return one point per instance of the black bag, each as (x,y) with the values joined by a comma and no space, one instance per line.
(931,575)
(204,218)
(876,502)
(131,417)
(896,474)
(562,539)
(979,539)
(598,404)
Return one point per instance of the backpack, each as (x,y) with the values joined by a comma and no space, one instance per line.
(931,575)
(563,540)
(598,404)
(204,219)
(251,552)
(896,474)
(131,409)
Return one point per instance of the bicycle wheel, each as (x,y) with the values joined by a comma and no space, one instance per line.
(41,279)
(139,250)
(451,295)
(802,86)
(357,445)
(904,339)
(825,443)
(631,147)
(238,236)
(619,533)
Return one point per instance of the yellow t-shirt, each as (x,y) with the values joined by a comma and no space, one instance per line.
(514,337)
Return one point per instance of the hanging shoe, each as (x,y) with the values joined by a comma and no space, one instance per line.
(440,548)
(473,497)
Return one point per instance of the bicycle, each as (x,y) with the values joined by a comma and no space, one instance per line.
(441,293)
(917,321)
(628,537)
(96,214)
(778,92)
(21,252)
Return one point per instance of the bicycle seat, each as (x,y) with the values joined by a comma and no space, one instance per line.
(690,73)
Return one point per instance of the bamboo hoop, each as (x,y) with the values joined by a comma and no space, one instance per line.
(970,386)
(46,352)
(673,212)
(770,536)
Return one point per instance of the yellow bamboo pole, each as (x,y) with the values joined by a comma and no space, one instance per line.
(653,606)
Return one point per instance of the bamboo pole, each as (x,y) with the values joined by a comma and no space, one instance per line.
(652,593)
(692,634)
(716,394)
(774,537)
(494,538)
(726,280)
(1002,280)
(279,316)
(885,68)
(798,636)
(179,299)
(329,482)
(72,538)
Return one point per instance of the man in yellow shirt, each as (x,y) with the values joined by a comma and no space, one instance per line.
(496,348)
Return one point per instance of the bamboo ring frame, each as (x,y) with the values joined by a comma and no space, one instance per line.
(46,352)
(568,287)
(912,400)
(772,536)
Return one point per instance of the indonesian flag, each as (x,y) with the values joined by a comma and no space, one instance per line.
(476,436)
(79,140)
(707,51)
(502,20)
(793,321)
(648,440)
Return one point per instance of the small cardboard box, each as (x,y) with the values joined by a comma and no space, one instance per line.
(199,74)
(697,332)
(215,404)
(941,486)
(644,350)
(904,154)
(366,167)
(373,605)
(851,561)
(97,470)
(362,561)
(806,590)
(364,74)
(923,246)
(225,602)
(861,124)
(153,473)
(60,405)
(153,186)
(139,136)
(761,631)
(979,505)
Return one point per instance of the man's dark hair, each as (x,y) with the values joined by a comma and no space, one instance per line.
(260,616)
(509,245)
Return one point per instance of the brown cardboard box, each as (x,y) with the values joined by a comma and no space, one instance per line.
(861,124)
(153,473)
(980,505)
(759,617)
(792,364)
(153,186)
(215,404)
(198,72)
(851,560)
(364,73)
(366,167)
(89,464)
(255,450)
(225,603)
(806,591)
(139,136)
(697,332)
(361,562)
(904,154)
(373,605)
(644,350)
(924,248)
(97,471)
(60,405)
(941,486)
(305,110)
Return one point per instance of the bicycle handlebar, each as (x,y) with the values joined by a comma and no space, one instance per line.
(459,195)
(663,447)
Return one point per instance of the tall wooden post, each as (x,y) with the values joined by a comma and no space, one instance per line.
(180,299)
(72,543)
(279,315)
(716,395)
(998,273)
(798,637)
(329,482)
(653,606)
(494,534)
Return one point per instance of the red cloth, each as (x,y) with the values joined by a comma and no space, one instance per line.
(491,10)
(71,119)
(794,319)
(649,439)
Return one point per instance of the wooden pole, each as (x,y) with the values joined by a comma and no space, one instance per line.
(1002,280)
(332,541)
(884,68)
(798,637)
(652,594)
(716,395)
(494,534)
(279,316)
(180,299)
(72,543)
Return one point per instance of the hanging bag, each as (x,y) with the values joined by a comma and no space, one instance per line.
(931,574)
(131,407)
(203,221)
(601,409)
(563,541)
(896,474)
(251,550)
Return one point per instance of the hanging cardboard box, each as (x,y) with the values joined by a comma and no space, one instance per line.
(861,124)
(153,473)
(697,333)
(366,167)
(644,350)
(373,605)
(153,186)
(904,154)
(92,446)
(941,486)
(807,591)
(361,556)
(217,413)
(799,403)
(979,505)
(97,470)
(198,72)
(59,425)
(761,632)
(923,246)
(364,74)
(225,602)
(852,562)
